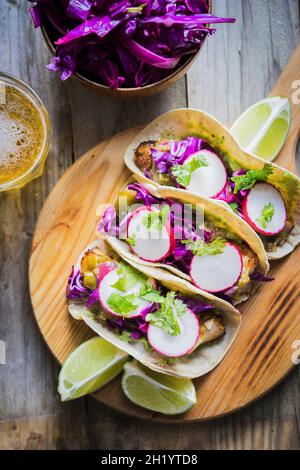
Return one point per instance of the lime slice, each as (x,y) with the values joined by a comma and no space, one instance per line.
(157,392)
(92,365)
(263,128)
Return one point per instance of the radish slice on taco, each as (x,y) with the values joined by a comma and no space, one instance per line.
(200,156)
(195,238)
(162,321)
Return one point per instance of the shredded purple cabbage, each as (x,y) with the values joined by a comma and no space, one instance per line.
(256,276)
(143,41)
(179,152)
(117,323)
(143,195)
(137,326)
(75,289)
(108,223)
(196,305)
(136,335)
(92,298)
(227,194)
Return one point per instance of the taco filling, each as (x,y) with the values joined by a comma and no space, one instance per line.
(209,254)
(139,309)
(192,164)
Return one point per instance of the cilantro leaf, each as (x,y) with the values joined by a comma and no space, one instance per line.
(248,180)
(200,248)
(122,304)
(155,220)
(183,173)
(138,9)
(234,207)
(146,343)
(128,278)
(171,309)
(131,240)
(266,215)
(126,336)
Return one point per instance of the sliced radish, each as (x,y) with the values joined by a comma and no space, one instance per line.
(150,245)
(260,196)
(105,290)
(217,273)
(210,180)
(176,346)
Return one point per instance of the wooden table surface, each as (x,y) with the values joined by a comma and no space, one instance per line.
(236,68)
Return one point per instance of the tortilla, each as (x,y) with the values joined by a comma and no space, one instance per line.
(181,123)
(218,212)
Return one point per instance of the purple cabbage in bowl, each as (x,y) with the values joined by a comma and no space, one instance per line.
(123,43)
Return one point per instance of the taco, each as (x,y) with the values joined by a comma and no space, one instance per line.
(195,238)
(162,321)
(190,150)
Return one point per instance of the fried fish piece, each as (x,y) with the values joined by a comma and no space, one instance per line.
(212,327)
(143,155)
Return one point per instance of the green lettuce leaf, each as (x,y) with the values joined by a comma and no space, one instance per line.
(200,248)
(122,304)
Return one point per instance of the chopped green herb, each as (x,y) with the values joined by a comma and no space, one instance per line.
(200,248)
(126,336)
(146,343)
(248,180)
(234,207)
(132,239)
(171,309)
(137,9)
(122,304)
(266,215)
(155,220)
(183,173)
(128,278)
(168,361)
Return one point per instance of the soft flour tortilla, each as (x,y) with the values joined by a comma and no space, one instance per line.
(219,213)
(185,122)
(201,361)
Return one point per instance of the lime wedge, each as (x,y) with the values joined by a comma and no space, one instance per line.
(92,365)
(263,128)
(157,392)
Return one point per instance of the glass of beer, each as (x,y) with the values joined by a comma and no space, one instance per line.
(24,133)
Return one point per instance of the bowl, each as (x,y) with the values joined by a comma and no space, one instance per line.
(37,167)
(147,90)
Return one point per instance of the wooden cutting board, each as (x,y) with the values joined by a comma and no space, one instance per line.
(262,354)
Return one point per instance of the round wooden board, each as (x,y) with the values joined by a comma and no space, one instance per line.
(261,355)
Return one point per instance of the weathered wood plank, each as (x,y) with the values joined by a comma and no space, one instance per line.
(258,47)
(246,59)
(29,379)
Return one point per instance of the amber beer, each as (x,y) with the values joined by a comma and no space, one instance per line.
(24,133)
